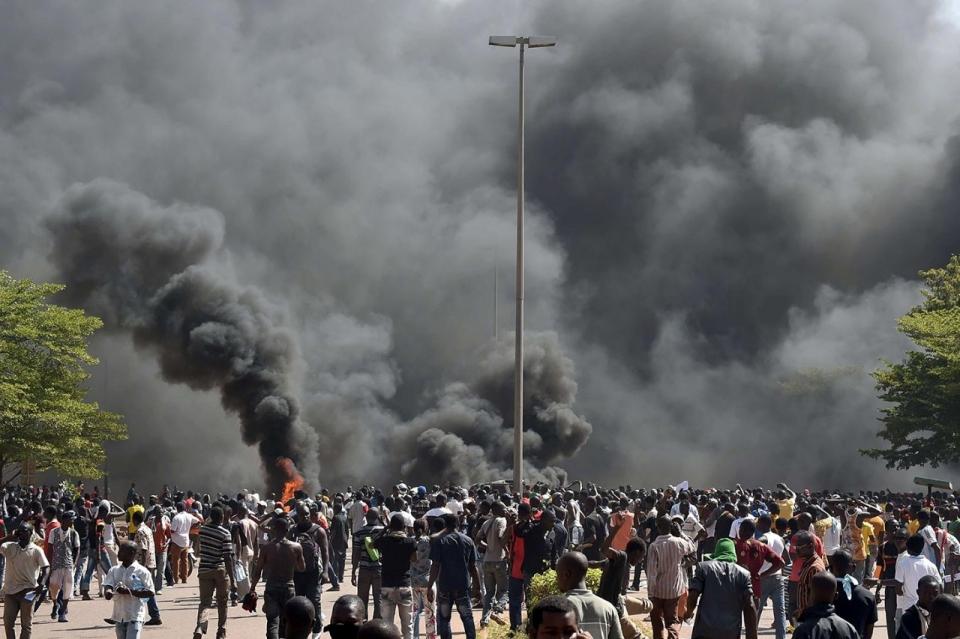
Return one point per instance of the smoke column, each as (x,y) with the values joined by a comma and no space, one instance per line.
(149,269)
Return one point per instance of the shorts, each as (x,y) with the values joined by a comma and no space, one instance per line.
(61,580)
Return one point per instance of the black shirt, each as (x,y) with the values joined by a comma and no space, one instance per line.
(913,623)
(396,549)
(594,532)
(860,610)
(540,549)
(611,583)
(821,622)
(339,532)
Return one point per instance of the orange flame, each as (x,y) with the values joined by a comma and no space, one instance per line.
(293,483)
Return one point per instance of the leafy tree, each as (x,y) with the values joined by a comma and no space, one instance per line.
(922,421)
(44,417)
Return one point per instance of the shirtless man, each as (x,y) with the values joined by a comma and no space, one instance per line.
(281,558)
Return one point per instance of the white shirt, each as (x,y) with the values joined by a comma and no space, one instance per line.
(909,570)
(454,506)
(438,512)
(180,529)
(735,526)
(930,537)
(775,543)
(407,517)
(357,514)
(135,577)
(675,510)
(831,537)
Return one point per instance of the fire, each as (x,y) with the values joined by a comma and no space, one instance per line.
(293,483)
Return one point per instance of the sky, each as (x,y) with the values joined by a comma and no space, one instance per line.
(291,219)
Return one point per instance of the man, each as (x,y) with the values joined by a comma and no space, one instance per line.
(128,584)
(771,586)
(594,530)
(594,614)
(424,601)
(754,555)
(786,501)
(339,539)
(216,554)
(453,562)
(516,587)
(180,542)
(911,567)
(495,537)
(853,602)
(931,549)
(724,593)
(146,557)
(916,618)
(98,549)
(346,617)
(621,522)
(358,513)
(862,537)
(895,544)
(366,572)
(64,548)
(299,615)
(396,552)
(248,551)
(282,558)
(666,580)
(25,567)
(159,525)
(944,618)
(810,566)
(313,543)
(542,546)
(819,620)
(554,617)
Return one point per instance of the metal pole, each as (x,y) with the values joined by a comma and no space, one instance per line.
(518,358)
(496,303)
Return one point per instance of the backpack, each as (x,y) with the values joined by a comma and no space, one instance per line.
(308,541)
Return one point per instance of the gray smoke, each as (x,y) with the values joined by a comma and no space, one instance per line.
(716,193)
(149,269)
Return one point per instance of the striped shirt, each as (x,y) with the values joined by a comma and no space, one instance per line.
(666,578)
(215,547)
(811,566)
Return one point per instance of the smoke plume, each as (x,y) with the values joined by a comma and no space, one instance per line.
(149,269)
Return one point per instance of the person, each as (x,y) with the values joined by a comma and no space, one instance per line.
(931,548)
(378,629)
(724,593)
(299,615)
(810,565)
(916,618)
(128,585)
(518,523)
(339,540)
(786,501)
(424,601)
(146,557)
(621,522)
(313,542)
(757,557)
(494,534)
(453,559)
(819,620)
(249,550)
(771,586)
(853,602)
(346,617)
(554,617)
(64,548)
(594,530)
(25,568)
(616,567)
(895,544)
(180,527)
(666,579)
(594,614)
(283,558)
(862,537)
(159,525)
(911,566)
(542,545)
(366,573)
(397,550)
(944,618)
(216,554)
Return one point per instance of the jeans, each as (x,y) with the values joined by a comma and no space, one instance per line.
(331,572)
(307,584)
(495,580)
(339,560)
(367,579)
(771,587)
(3,564)
(860,566)
(275,597)
(445,603)
(128,629)
(398,598)
(14,606)
(153,610)
(104,565)
(79,567)
(210,581)
(890,609)
(515,590)
(664,616)
(159,570)
(421,605)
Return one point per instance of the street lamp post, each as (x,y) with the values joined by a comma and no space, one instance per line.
(523,42)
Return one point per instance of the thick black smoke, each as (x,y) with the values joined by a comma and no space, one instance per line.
(150,269)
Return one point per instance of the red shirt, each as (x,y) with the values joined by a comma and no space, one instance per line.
(752,554)
(516,558)
(797,564)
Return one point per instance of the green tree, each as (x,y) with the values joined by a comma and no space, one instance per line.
(921,423)
(44,417)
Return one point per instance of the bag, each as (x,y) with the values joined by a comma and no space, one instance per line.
(241,579)
(311,553)
(372,552)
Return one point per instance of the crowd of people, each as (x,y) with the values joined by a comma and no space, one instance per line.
(823,561)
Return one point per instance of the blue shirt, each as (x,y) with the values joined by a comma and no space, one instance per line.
(455,553)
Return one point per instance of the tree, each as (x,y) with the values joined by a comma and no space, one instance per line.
(922,421)
(44,417)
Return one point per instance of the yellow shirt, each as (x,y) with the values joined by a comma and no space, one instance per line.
(132,527)
(913,527)
(862,538)
(786,507)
